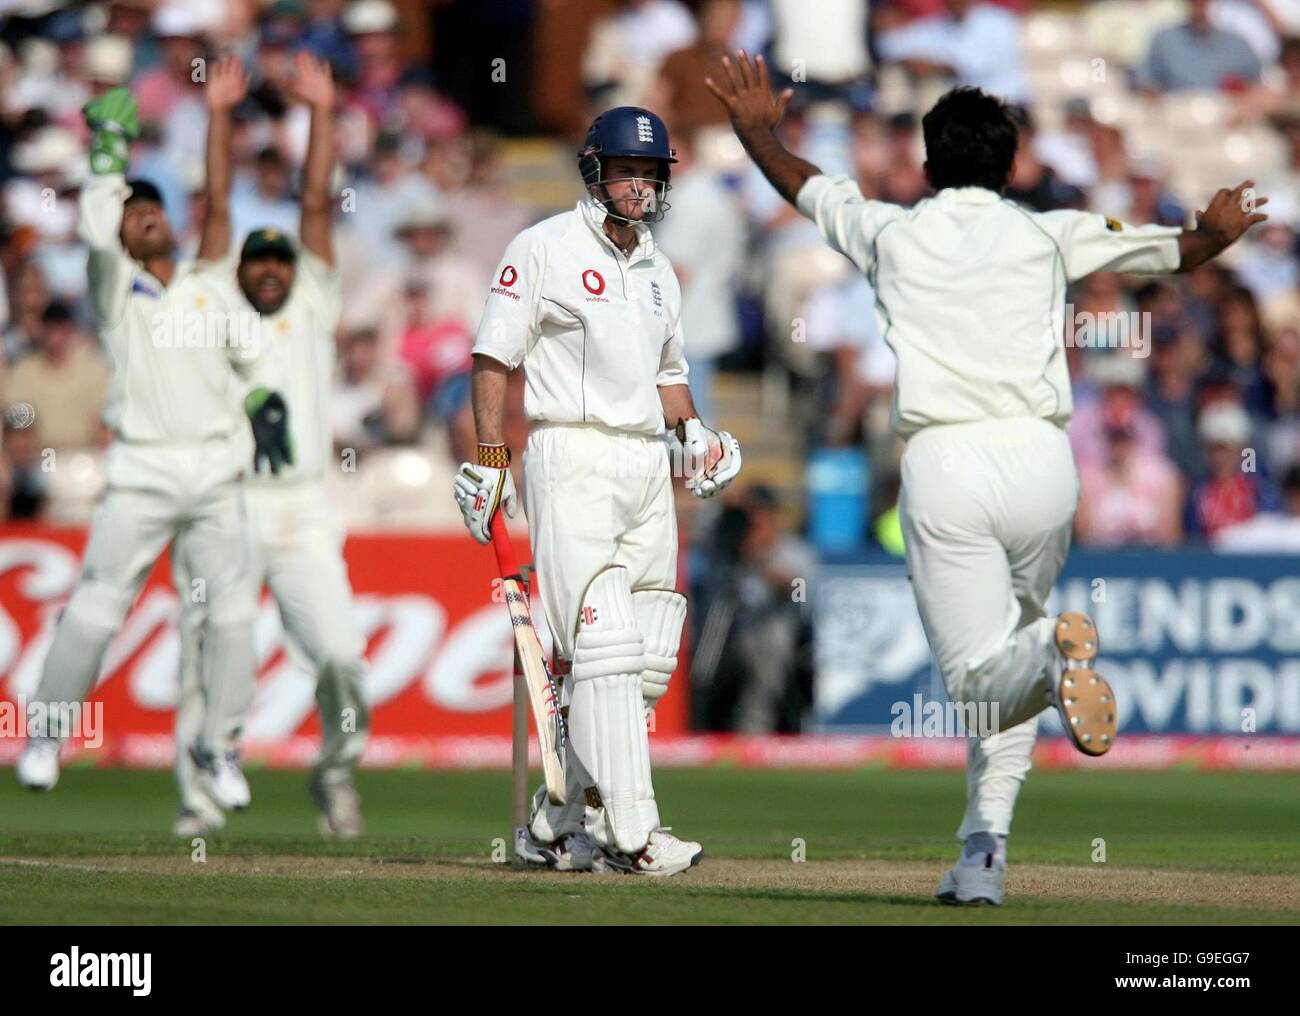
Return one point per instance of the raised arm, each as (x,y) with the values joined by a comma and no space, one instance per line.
(314,85)
(1229,215)
(743,88)
(227,86)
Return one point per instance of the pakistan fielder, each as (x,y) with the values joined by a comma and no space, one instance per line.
(179,452)
(971,292)
(591,309)
(297,539)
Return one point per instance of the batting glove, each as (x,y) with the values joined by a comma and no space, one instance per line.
(270,419)
(710,459)
(480,488)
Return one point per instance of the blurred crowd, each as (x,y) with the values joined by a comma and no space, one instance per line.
(458,123)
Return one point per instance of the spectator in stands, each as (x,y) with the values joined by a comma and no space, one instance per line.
(1269,532)
(372,404)
(382,202)
(325,36)
(1197,55)
(372,26)
(24,480)
(626,48)
(1033,182)
(1109,396)
(973,43)
(1232,490)
(1239,350)
(64,379)
(747,671)
(263,199)
(826,56)
(28,298)
(1177,360)
(1134,496)
(687,104)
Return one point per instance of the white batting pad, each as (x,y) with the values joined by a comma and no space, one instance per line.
(607,731)
(660,614)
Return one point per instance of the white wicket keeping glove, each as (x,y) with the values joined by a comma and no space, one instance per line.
(711,459)
(480,489)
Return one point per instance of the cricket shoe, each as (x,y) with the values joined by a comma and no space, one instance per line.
(340,805)
(1083,697)
(38,765)
(192,822)
(663,855)
(571,852)
(222,778)
(974,880)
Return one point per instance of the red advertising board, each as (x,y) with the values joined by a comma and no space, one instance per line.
(439,652)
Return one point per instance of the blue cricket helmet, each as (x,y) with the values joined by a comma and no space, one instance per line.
(627,130)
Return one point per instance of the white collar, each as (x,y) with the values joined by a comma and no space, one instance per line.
(970,195)
(594,214)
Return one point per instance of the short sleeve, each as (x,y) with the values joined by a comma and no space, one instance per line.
(325,289)
(673,369)
(849,222)
(511,313)
(1090,242)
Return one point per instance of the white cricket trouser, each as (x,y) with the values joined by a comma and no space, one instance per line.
(297,552)
(987,509)
(594,497)
(157,493)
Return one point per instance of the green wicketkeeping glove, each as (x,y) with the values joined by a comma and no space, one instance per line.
(270,420)
(115,119)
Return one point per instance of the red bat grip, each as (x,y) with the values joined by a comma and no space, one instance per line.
(505,551)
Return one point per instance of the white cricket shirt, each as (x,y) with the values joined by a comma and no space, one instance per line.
(598,332)
(172,347)
(298,341)
(970,293)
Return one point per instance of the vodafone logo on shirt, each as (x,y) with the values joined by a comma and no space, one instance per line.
(593,281)
(508,278)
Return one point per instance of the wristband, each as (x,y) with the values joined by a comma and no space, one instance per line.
(497,456)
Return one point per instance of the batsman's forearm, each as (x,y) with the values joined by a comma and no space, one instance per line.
(488,386)
(784,170)
(677,404)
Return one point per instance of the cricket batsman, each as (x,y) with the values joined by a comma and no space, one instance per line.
(971,292)
(295,291)
(591,309)
(180,448)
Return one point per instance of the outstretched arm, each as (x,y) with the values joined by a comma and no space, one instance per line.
(314,85)
(755,113)
(1222,224)
(227,86)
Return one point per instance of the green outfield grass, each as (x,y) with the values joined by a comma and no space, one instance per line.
(1179,847)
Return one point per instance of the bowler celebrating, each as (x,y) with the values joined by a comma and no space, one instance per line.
(591,309)
(971,294)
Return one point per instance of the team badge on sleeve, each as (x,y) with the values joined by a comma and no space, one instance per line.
(1114,225)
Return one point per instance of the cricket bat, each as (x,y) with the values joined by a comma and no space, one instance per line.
(543,693)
